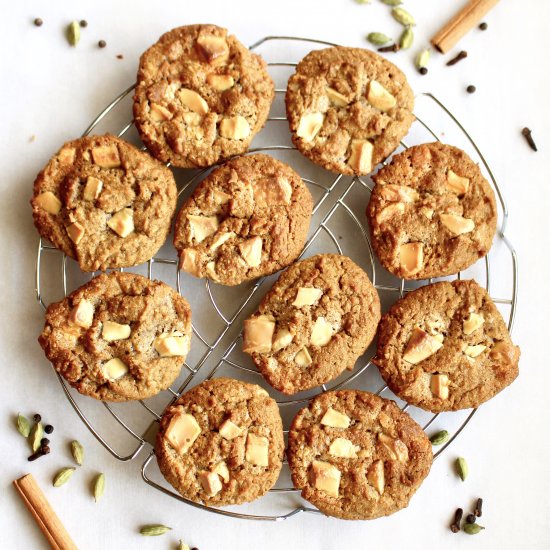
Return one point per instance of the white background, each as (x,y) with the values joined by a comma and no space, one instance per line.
(53,91)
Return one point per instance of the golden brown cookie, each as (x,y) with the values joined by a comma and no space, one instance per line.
(119,337)
(313,324)
(104,203)
(431,212)
(348,108)
(221,443)
(446,347)
(357,456)
(200,97)
(247,219)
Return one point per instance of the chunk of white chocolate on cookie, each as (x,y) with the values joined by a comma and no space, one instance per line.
(439,385)
(220,82)
(472,323)
(160,113)
(210,483)
(474,351)
(48,202)
(303,358)
(251,251)
(282,339)
(236,127)
(396,449)
(182,432)
(214,49)
(335,419)
(375,476)
(307,296)
(390,212)
(257,450)
(193,101)
(457,184)
(360,159)
(66,155)
(190,261)
(222,470)
(82,314)
(122,223)
(112,331)
(92,189)
(202,226)
(343,448)
(336,97)
(75,231)
(421,345)
(220,239)
(309,126)
(229,430)
(326,477)
(172,344)
(399,193)
(269,192)
(457,225)
(115,368)
(106,156)
(258,334)
(379,97)
(322,332)
(411,258)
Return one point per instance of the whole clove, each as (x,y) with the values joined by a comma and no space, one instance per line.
(527,133)
(455,526)
(478,508)
(462,55)
(393,48)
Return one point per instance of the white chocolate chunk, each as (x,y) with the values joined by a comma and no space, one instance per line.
(66,155)
(122,223)
(257,448)
(326,477)
(472,323)
(112,331)
(220,239)
(236,127)
(379,97)
(397,450)
(76,232)
(220,82)
(257,334)
(193,101)
(309,126)
(92,189)
(335,419)
(160,113)
(439,385)
(229,430)
(269,192)
(220,197)
(251,251)
(421,345)
(360,159)
(211,271)
(343,448)
(182,432)
(191,119)
(456,183)
(172,344)
(322,332)
(106,156)
(375,476)
(190,261)
(427,212)
(411,258)
(202,226)
(221,469)
(390,212)
(399,193)
(457,224)
(210,482)
(214,48)
(82,314)
(337,98)
(115,368)
(303,358)
(282,339)
(307,296)
(474,351)
(48,202)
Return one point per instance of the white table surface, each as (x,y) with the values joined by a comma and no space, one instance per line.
(52,91)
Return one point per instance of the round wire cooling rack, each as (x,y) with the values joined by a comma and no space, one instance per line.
(338,225)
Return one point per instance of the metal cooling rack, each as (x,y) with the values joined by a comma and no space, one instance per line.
(334,198)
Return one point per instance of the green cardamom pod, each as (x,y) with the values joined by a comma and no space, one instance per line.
(23,425)
(35,436)
(422,61)
(63,476)
(403,16)
(378,38)
(362,1)
(472,528)
(77,450)
(99,486)
(407,39)
(154,530)
(462,468)
(440,437)
(183,546)
(392,2)
(73,33)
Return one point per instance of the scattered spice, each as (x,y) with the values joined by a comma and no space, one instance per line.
(77,450)
(38,22)
(392,2)
(471,518)
(44,441)
(407,38)
(421,61)
(455,526)
(23,425)
(483,26)
(35,436)
(36,455)
(73,33)
(37,417)
(378,38)
(102,43)
(471,89)
(48,429)
(403,16)
(527,133)
(440,437)
(462,55)
(362,1)
(120,56)
(392,48)
(472,528)
(63,476)
(83,23)
(45,450)
(99,486)
(423,70)
(462,468)
(183,546)
(154,530)
(478,508)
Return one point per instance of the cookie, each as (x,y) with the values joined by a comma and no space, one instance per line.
(247,219)
(313,324)
(431,212)
(355,455)
(446,347)
(348,108)
(221,443)
(119,337)
(104,203)
(200,96)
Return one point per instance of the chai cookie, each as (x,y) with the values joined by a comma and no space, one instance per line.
(104,203)
(200,97)
(446,347)
(221,443)
(119,337)
(348,108)
(431,212)
(247,219)
(313,324)
(355,455)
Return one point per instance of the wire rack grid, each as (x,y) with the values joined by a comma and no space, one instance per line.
(333,198)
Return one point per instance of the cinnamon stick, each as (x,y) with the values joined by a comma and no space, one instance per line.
(467,18)
(43,513)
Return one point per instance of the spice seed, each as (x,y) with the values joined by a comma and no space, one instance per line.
(37,417)
(483,26)
(99,486)
(471,89)
(471,518)
(120,56)
(23,425)
(37,431)
(73,33)
(527,133)
(77,450)
(154,530)
(102,43)
(38,22)
(440,437)
(423,70)
(83,23)
(462,468)
(62,476)
(48,429)
(459,57)
(478,508)
(472,528)
(392,48)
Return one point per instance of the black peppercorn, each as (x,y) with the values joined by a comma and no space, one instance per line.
(471,89)
(84,23)
(470,518)
(48,429)
(483,26)
(38,22)
(423,70)
(102,43)
(37,417)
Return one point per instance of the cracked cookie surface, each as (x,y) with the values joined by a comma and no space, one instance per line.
(200,97)
(314,323)
(446,347)
(119,337)
(221,443)
(247,219)
(431,212)
(104,203)
(348,108)
(355,455)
